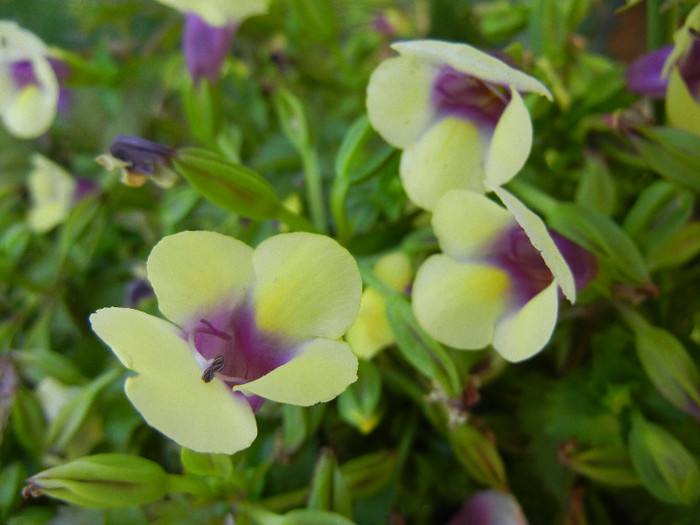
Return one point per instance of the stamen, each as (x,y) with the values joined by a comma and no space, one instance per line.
(217,365)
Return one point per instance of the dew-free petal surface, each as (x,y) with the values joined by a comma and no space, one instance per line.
(449,156)
(539,236)
(220,12)
(459,304)
(525,332)
(398,99)
(371,331)
(307,286)
(319,372)
(466,223)
(195,272)
(169,392)
(511,142)
(472,61)
(682,110)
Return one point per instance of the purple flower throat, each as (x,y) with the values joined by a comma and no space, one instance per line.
(464,96)
(235,350)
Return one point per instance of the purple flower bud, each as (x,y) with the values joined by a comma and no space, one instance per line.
(206,47)
(144,155)
(643,76)
(490,507)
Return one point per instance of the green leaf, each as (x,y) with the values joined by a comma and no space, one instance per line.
(606,465)
(478,455)
(672,153)
(200,464)
(423,352)
(232,186)
(659,211)
(368,474)
(11,480)
(679,248)
(359,403)
(667,470)
(75,412)
(294,427)
(667,363)
(28,421)
(39,363)
(596,189)
(601,236)
(329,490)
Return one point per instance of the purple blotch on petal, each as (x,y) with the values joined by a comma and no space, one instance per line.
(467,97)
(248,353)
(205,47)
(643,76)
(513,252)
(490,507)
(689,66)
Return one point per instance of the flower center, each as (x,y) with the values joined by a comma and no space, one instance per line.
(22,73)
(514,253)
(231,347)
(464,96)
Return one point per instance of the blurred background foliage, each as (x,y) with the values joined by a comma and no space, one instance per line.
(582,433)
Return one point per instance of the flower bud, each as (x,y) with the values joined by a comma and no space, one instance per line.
(490,507)
(478,455)
(139,159)
(102,481)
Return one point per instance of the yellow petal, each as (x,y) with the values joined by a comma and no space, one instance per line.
(307,286)
(220,12)
(682,109)
(459,304)
(472,61)
(371,331)
(466,223)
(169,392)
(511,142)
(525,332)
(449,156)
(395,270)
(539,236)
(398,99)
(320,372)
(196,273)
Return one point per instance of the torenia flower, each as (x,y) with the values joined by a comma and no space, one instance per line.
(683,69)
(371,331)
(28,85)
(219,13)
(456,112)
(245,325)
(498,278)
(53,192)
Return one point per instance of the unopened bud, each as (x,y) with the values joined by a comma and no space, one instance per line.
(101,481)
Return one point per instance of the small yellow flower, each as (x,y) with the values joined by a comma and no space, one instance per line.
(245,325)
(52,191)
(371,332)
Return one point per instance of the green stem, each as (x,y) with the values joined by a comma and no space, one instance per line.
(314,189)
(339,192)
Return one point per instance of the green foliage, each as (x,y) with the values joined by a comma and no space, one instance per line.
(600,427)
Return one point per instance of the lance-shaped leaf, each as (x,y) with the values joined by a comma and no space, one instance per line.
(102,481)
(667,364)
(232,186)
(605,464)
(329,490)
(601,236)
(672,153)
(478,455)
(664,465)
(659,211)
(359,404)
